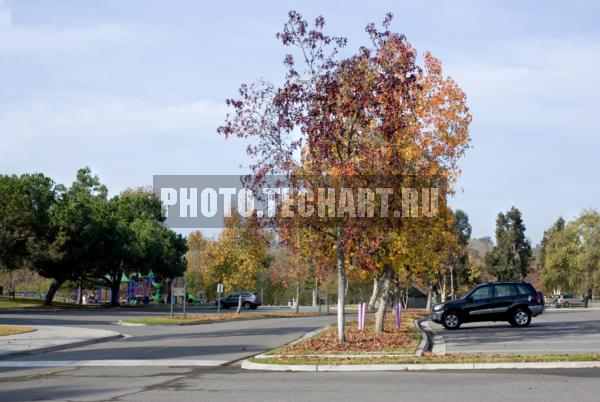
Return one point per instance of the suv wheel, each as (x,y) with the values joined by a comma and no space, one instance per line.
(247,306)
(520,318)
(451,320)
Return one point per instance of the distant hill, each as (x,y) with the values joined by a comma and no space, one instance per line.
(477,250)
(479,247)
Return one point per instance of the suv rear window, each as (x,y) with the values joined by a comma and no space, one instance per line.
(506,290)
(524,289)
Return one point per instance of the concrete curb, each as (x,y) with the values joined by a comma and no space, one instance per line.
(437,341)
(131,324)
(424,345)
(248,365)
(46,349)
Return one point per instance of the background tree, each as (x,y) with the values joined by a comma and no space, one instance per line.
(196,278)
(572,255)
(460,269)
(509,259)
(74,232)
(24,220)
(238,254)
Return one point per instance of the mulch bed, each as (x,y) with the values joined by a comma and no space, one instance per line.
(403,340)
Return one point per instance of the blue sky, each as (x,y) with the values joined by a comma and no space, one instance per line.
(135,88)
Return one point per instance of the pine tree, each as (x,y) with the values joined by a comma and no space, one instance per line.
(509,259)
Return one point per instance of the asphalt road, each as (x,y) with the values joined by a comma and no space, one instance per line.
(555,331)
(226,341)
(232,384)
(231,341)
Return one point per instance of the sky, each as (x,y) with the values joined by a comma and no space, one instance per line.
(136,88)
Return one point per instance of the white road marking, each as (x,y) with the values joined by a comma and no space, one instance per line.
(114,363)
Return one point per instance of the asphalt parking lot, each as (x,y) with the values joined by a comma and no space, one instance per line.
(555,331)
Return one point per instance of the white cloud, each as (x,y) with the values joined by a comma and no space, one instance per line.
(39,38)
(106,118)
(534,83)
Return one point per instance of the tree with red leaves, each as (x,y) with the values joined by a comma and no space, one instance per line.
(336,120)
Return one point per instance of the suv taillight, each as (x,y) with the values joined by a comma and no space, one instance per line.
(538,297)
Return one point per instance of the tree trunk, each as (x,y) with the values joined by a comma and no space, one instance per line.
(451,283)
(341,318)
(429,298)
(297,306)
(115,288)
(383,299)
(239,307)
(586,298)
(54,286)
(376,287)
(79,295)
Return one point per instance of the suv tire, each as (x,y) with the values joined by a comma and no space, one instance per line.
(520,318)
(451,320)
(247,306)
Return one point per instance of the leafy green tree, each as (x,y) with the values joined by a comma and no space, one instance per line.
(509,259)
(556,227)
(24,204)
(460,271)
(135,242)
(572,255)
(66,250)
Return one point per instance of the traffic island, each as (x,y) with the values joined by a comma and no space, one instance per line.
(6,330)
(361,346)
(48,338)
(368,352)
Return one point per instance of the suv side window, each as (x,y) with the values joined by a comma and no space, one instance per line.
(505,290)
(484,292)
(246,294)
(524,290)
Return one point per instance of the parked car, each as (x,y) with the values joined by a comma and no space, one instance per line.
(567,300)
(512,301)
(250,300)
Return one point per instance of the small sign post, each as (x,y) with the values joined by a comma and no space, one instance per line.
(175,293)
(219,291)
(172,296)
(184,301)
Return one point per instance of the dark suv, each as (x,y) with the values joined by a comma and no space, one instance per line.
(250,300)
(512,301)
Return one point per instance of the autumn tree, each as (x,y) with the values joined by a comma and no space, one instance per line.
(238,254)
(336,119)
(196,277)
(509,259)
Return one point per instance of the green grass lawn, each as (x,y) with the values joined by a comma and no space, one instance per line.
(22,302)
(14,330)
(429,359)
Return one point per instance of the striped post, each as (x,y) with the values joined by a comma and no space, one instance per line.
(363,308)
(398,315)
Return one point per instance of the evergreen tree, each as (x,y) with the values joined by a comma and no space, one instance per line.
(509,259)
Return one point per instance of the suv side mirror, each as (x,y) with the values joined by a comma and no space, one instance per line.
(470,299)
